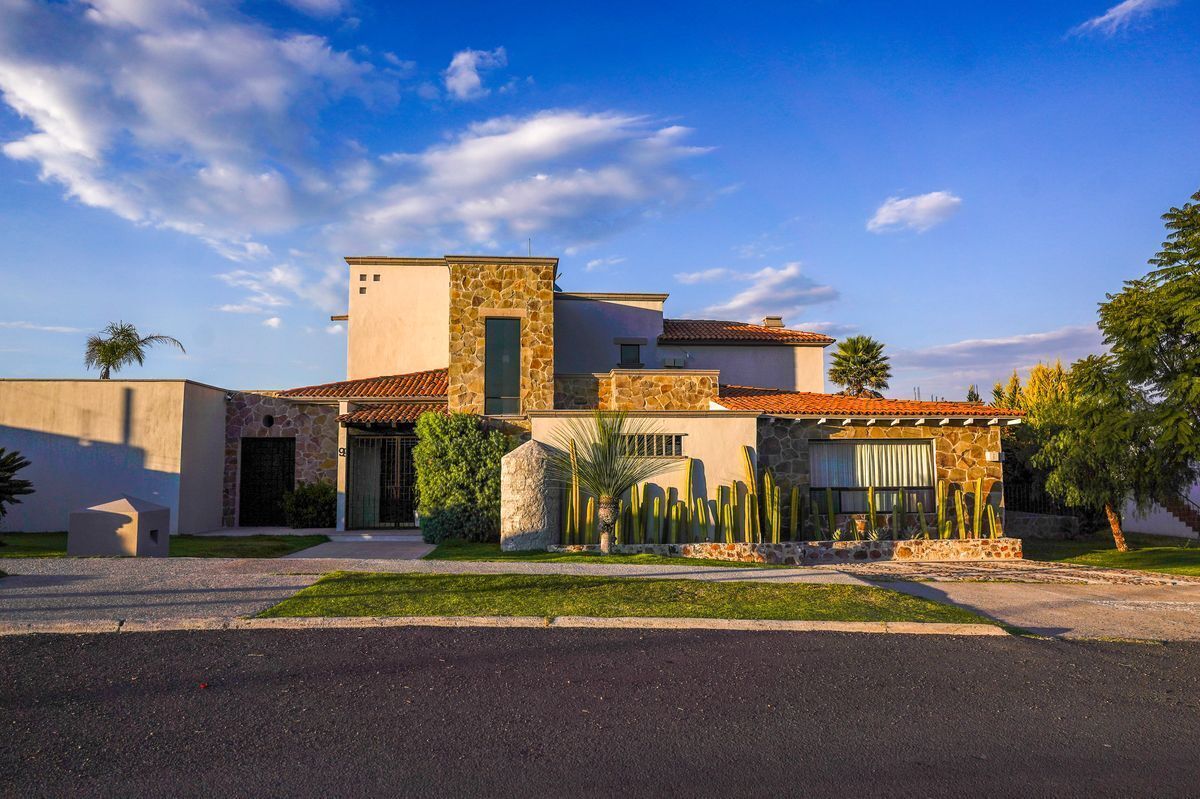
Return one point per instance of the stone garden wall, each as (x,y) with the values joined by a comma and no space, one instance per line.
(579,392)
(483,289)
(314,427)
(662,390)
(810,553)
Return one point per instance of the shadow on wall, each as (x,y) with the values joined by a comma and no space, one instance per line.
(70,473)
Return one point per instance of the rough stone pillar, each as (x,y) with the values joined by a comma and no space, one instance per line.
(529,500)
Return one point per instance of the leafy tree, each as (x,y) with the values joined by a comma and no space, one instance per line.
(118,345)
(12,486)
(973,394)
(860,365)
(1096,444)
(457,462)
(598,453)
(1152,328)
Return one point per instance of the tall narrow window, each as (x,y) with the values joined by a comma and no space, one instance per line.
(502,366)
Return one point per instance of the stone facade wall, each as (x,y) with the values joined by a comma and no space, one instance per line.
(960,453)
(662,390)
(482,289)
(1040,525)
(811,553)
(315,428)
(579,392)
(529,504)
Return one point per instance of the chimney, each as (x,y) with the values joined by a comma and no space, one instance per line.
(772,321)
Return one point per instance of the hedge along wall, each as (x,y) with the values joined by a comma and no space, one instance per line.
(960,453)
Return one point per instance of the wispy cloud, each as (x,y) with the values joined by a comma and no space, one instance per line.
(949,368)
(318,8)
(828,328)
(40,328)
(272,322)
(770,291)
(704,276)
(598,264)
(919,212)
(1119,17)
(463,78)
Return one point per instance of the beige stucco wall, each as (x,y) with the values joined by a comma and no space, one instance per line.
(402,323)
(90,441)
(788,368)
(714,440)
(584,330)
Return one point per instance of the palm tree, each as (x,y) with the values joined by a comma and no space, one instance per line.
(860,365)
(119,345)
(12,486)
(599,453)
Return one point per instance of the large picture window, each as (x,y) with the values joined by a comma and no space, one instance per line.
(890,467)
(502,367)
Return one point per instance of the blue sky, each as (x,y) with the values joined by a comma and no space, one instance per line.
(963,181)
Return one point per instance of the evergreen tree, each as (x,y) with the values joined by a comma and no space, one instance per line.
(973,394)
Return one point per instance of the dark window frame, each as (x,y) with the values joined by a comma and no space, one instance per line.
(636,361)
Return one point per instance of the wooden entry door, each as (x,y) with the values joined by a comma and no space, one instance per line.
(268,472)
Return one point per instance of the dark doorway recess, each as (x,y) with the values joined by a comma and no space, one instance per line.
(268,472)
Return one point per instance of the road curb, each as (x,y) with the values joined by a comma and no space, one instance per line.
(529,622)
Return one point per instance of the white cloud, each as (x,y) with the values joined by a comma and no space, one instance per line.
(597,264)
(580,176)
(704,276)
(783,291)
(335,329)
(272,322)
(1119,17)
(195,118)
(828,328)
(174,114)
(948,369)
(919,213)
(40,328)
(463,80)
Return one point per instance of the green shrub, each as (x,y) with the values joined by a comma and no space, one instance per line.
(311,505)
(458,477)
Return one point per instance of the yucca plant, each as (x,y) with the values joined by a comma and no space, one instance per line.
(994,522)
(604,463)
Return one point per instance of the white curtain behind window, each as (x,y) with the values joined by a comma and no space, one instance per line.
(859,464)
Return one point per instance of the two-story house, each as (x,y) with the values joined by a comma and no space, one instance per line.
(497,337)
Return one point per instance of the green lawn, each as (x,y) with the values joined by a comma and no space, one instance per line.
(1147,553)
(455,549)
(54,545)
(375,594)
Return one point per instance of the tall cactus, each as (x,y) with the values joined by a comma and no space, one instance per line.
(794,521)
(569,530)
(576,497)
(589,519)
(872,522)
(637,533)
(752,494)
(977,510)
(830,513)
(739,514)
(898,515)
(924,526)
(815,516)
(943,524)
(960,511)
(653,529)
(994,522)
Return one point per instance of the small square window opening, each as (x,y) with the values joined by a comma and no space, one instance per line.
(375,278)
(362,289)
(631,355)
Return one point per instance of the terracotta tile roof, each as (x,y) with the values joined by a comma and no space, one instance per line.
(391,412)
(430,383)
(804,403)
(703,331)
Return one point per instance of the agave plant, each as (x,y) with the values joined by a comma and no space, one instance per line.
(604,463)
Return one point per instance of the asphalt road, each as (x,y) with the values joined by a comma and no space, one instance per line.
(415,712)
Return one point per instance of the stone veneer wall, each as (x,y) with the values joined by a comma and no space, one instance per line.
(960,453)
(482,289)
(802,553)
(662,390)
(636,390)
(314,427)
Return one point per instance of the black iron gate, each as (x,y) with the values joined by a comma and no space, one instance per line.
(268,472)
(382,486)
